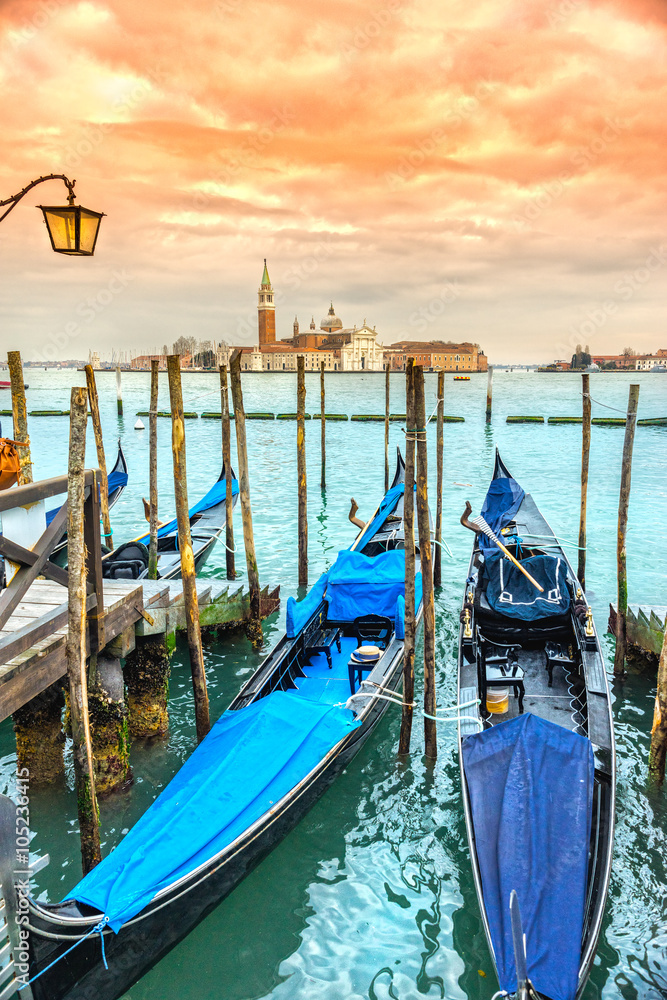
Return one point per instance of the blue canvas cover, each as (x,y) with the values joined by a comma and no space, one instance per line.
(531,790)
(298,613)
(365,585)
(388,505)
(511,594)
(250,759)
(215,495)
(502,501)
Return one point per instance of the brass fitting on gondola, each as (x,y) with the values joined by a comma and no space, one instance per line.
(578,594)
(470,597)
(467,631)
(589,621)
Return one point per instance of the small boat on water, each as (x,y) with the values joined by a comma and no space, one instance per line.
(293,727)
(117,481)
(462,378)
(207,520)
(8,385)
(536,749)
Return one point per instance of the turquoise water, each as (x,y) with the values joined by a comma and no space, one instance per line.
(372,894)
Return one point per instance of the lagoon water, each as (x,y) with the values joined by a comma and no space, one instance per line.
(372,894)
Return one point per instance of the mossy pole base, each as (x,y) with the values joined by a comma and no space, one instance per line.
(119,393)
(658,751)
(109,728)
(489,394)
(244,495)
(426,565)
(147,671)
(585,455)
(408,528)
(302,525)
(188,577)
(621,553)
(84,770)
(40,740)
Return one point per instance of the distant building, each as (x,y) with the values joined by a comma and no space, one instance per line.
(645,362)
(266,311)
(464,357)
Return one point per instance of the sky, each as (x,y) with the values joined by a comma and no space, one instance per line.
(487,172)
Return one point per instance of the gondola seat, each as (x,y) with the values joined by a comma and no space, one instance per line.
(127,563)
(372,633)
(499,668)
(320,641)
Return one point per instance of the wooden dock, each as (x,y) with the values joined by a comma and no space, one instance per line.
(645,627)
(36,633)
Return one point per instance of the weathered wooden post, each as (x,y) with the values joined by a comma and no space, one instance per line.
(408,530)
(426,566)
(301,469)
(254,625)
(621,554)
(152,471)
(185,546)
(658,751)
(84,773)
(386,427)
(489,394)
(20,416)
(227,462)
(101,460)
(439,451)
(323,433)
(119,392)
(585,455)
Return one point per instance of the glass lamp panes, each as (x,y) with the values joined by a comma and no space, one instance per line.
(73,229)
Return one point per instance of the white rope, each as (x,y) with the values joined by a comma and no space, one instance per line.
(397,700)
(606,405)
(500,993)
(443,545)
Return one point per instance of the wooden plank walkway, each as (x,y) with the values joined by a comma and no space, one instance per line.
(42,616)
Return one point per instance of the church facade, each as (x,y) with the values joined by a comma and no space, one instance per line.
(344,350)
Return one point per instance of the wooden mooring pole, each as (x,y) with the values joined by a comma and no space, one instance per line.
(152,471)
(323,424)
(254,624)
(301,469)
(20,416)
(621,554)
(190,599)
(585,455)
(386,427)
(658,751)
(408,530)
(227,462)
(119,392)
(84,774)
(101,460)
(489,394)
(439,451)
(426,565)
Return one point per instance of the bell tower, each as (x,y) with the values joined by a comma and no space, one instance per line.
(266,310)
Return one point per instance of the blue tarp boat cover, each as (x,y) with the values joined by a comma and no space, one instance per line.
(365,585)
(247,763)
(502,501)
(215,495)
(298,613)
(117,480)
(388,504)
(510,593)
(531,789)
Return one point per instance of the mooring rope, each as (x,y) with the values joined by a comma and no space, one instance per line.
(97,929)
(587,395)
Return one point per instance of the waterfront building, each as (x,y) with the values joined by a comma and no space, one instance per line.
(437,355)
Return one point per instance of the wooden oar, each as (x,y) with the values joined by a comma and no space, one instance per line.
(483,526)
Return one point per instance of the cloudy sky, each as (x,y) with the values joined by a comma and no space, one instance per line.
(482,171)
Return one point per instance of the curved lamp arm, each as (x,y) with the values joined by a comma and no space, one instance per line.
(15,199)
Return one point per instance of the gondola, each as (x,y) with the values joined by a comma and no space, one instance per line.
(207,520)
(536,749)
(293,727)
(117,480)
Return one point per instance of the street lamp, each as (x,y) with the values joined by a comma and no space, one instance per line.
(72,229)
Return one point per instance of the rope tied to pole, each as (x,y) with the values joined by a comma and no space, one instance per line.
(587,395)
(99,928)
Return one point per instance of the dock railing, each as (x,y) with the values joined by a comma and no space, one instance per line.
(36,562)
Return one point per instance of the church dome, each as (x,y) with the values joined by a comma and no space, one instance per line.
(331,321)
